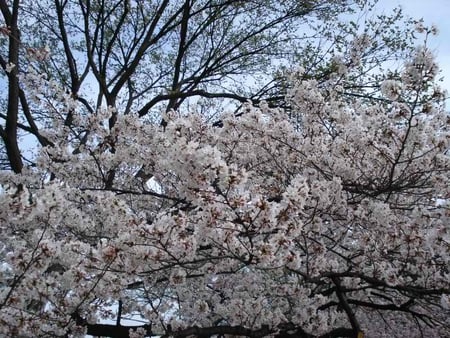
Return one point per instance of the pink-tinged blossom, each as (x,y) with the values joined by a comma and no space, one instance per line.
(391,89)
(333,215)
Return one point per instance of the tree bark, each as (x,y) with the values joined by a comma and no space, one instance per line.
(9,133)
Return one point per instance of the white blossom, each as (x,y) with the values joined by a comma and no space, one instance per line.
(276,220)
(391,89)
(9,67)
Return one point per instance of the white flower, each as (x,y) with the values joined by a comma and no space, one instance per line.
(391,89)
(201,306)
(178,277)
(9,67)
(434,30)
(138,333)
(422,67)
(419,26)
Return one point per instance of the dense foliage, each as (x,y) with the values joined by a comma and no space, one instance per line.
(326,217)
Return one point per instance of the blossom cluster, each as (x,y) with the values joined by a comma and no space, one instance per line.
(256,222)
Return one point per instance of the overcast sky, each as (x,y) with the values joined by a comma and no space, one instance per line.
(433,12)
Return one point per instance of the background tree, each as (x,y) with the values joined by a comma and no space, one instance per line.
(330,223)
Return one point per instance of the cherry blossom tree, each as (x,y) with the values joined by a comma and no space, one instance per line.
(324,218)
(250,227)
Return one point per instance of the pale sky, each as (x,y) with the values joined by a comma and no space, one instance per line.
(433,12)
